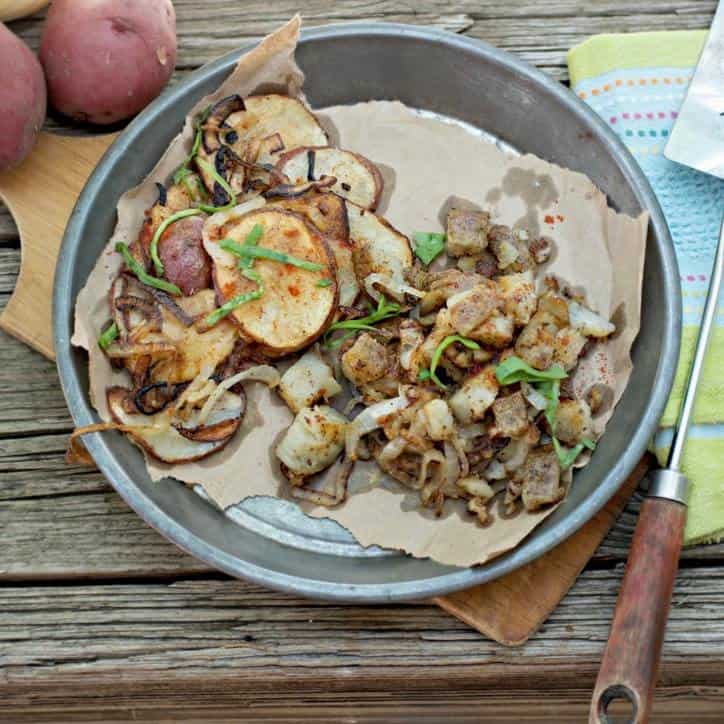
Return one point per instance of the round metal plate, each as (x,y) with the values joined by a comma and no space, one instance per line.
(273,543)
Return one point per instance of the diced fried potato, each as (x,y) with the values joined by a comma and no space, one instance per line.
(475,396)
(573,422)
(268,115)
(568,345)
(511,415)
(496,331)
(313,441)
(438,420)
(366,360)
(440,330)
(503,245)
(540,475)
(445,284)
(536,342)
(467,232)
(378,248)
(469,309)
(293,310)
(309,380)
(411,340)
(519,297)
(588,322)
(358,179)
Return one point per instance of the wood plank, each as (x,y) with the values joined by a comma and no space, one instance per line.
(216,643)
(59,522)
(539,32)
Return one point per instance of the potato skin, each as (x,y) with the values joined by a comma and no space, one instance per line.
(105,60)
(23,104)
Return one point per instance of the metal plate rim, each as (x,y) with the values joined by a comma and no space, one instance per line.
(397,591)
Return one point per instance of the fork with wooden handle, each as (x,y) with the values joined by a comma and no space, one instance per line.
(631,659)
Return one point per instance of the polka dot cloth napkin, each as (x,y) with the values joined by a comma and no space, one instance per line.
(637,83)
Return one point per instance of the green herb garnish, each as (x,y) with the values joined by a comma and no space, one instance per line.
(206,166)
(567,456)
(384,311)
(514,369)
(252,239)
(428,245)
(324,283)
(437,356)
(104,341)
(218,314)
(157,263)
(142,274)
(183,170)
(260,252)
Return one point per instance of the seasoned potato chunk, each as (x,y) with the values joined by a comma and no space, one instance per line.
(309,380)
(469,309)
(536,342)
(511,415)
(475,396)
(573,422)
(588,322)
(467,232)
(365,361)
(438,419)
(503,245)
(496,331)
(445,284)
(519,297)
(567,346)
(313,441)
(540,475)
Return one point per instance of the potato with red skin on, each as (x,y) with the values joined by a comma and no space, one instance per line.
(22,101)
(181,250)
(105,60)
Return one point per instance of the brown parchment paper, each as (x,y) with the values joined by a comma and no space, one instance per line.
(426,162)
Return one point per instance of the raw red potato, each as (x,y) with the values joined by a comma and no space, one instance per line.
(105,60)
(23,105)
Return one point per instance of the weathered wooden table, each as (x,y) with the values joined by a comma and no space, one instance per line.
(101,619)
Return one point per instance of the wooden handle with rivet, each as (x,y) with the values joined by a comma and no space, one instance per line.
(631,659)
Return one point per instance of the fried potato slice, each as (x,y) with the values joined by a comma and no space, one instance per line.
(358,179)
(328,212)
(170,443)
(378,248)
(293,310)
(265,117)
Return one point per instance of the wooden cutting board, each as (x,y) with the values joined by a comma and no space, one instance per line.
(41,194)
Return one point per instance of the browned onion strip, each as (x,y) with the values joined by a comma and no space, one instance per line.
(76,454)
(162,298)
(324,497)
(288,191)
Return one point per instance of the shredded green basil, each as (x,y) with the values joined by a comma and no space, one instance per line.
(209,168)
(384,311)
(183,170)
(252,239)
(110,335)
(428,245)
(142,274)
(437,356)
(260,252)
(157,263)
(324,283)
(514,369)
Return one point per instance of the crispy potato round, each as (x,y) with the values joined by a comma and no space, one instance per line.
(293,310)
(269,118)
(358,179)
